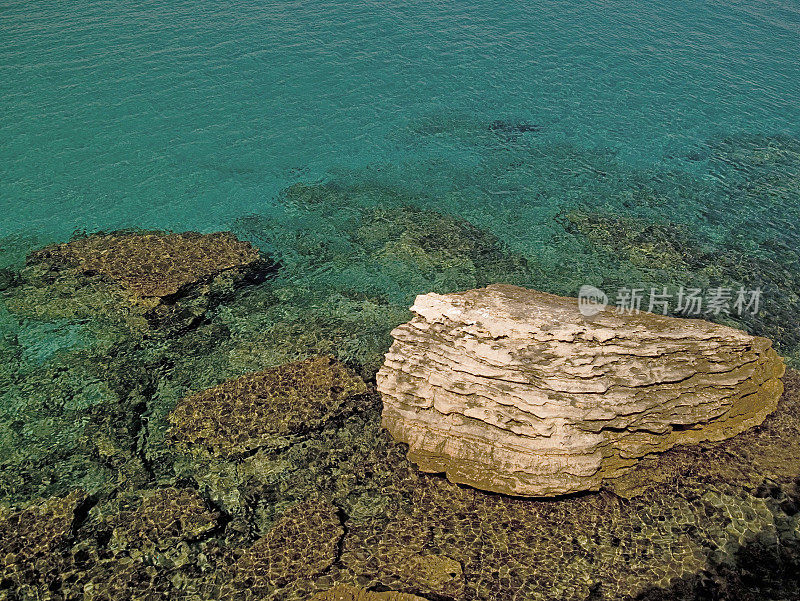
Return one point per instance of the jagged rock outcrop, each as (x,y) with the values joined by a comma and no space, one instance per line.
(515,391)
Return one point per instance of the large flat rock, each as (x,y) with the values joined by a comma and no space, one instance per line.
(515,391)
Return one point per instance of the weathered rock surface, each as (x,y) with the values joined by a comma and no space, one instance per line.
(152,264)
(149,280)
(266,409)
(514,391)
(298,549)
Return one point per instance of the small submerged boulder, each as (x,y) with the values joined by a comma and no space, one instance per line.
(152,264)
(151,280)
(515,391)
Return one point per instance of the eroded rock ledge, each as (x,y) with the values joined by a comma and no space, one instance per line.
(514,391)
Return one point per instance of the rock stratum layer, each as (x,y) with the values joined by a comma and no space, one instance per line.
(514,391)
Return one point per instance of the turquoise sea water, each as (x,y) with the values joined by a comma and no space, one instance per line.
(190,114)
(187,115)
(376,151)
(509,116)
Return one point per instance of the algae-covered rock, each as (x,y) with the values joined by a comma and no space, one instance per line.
(443,249)
(264,409)
(148,280)
(286,322)
(254,488)
(739,233)
(142,546)
(156,518)
(381,241)
(354,256)
(32,540)
(70,417)
(404,557)
(287,560)
(656,253)
(343,592)
(151,264)
(642,243)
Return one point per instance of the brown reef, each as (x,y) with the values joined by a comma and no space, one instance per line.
(698,510)
(157,283)
(152,263)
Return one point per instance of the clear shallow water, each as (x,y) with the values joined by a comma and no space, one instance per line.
(184,115)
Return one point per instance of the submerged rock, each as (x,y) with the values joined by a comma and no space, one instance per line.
(31,539)
(514,128)
(265,409)
(152,264)
(298,549)
(710,518)
(343,592)
(149,280)
(514,391)
(157,518)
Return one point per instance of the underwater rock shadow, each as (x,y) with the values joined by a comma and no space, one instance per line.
(758,573)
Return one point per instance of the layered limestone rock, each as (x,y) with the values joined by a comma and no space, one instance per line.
(515,391)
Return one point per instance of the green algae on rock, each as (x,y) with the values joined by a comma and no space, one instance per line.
(287,322)
(353,256)
(741,231)
(657,253)
(697,509)
(135,547)
(151,264)
(154,518)
(72,419)
(265,408)
(380,242)
(32,540)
